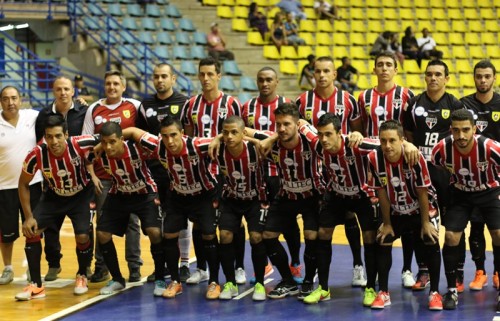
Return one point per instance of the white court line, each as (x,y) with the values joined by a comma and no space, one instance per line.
(247,292)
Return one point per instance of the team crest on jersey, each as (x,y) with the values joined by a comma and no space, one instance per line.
(397,103)
(350,159)
(482,166)
(126,113)
(495,115)
(339,110)
(193,159)
(252,166)
(407,173)
(174,109)
(431,122)
(222,112)
(445,113)
(481,125)
(306,155)
(367,109)
(136,163)
(308,114)
(75,161)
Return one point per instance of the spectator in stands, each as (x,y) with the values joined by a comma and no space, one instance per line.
(292,32)
(382,43)
(395,47)
(347,76)
(427,46)
(278,34)
(306,80)
(217,44)
(410,45)
(81,90)
(257,19)
(293,6)
(325,10)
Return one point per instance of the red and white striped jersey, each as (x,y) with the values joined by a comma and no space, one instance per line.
(476,171)
(243,174)
(189,170)
(341,103)
(400,181)
(376,107)
(66,175)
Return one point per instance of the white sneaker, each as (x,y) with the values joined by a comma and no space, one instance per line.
(81,285)
(160,286)
(111,287)
(197,277)
(407,279)
(241,277)
(7,276)
(358,276)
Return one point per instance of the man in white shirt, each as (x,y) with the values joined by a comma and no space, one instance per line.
(427,46)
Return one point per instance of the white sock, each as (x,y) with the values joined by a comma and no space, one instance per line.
(185,244)
(9,268)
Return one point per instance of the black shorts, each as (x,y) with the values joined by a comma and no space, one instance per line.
(462,206)
(10,210)
(272,187)
(282,216)
(410,223)
(441,181)
(232,210)
(117,208)
(199,209)
(52,207)
(336,206)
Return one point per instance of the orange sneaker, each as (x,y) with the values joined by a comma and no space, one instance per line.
(496,282)
(460,286)
(435,301)
(172,290)
(32,291)
(269,270)
(382,300)
(480,280)
(213,291)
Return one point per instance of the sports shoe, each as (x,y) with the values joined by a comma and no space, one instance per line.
(496,283)
(369,297)
(317,296)
(184,273)
(160,287)
(498,303)
(80,285)
(172,290)
(230,291)
(460,285)
(358,276)
(100,275)
(296,270)
(267,272)
(135,275)
(382,300)
(52,274)
(112,287)
(435,301)
(213,291)
(450,300)
(407,279)
(197,277)
(480,280)
(306,289)
(283,289)
(259,292)
(241,277)
(422,282)
(7,276)
(32,291)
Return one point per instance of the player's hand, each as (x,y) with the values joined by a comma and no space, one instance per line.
(383,232)
(82,101)
(98,185)
(411,153)
(355,138)
(265,146)
(213,148)
(429,234)
(30,227)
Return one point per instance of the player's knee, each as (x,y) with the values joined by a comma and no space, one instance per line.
(452,238)
(369,237)
(103,237)
(82,238)
(495,237)
(226,236)
(325,233)
(310,235)
(255,237)
(154,234)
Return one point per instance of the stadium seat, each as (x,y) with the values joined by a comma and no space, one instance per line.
(360,65)
(363,82)
(308,38)
(245,3)
(160,2)
(288,52)
(403,3)
(145,68)
(471,13)
(340,51)
(406,14)
(472,38)
(441,39)
(248,84)
(262,3)
(112,23)
(415,81)
(357,13)
(376,26)
(463,66)
(167,24)
(340,39)
(200,38)
(324,25)
(229,3)
(411,66)
(146,37)
(224,12)
(488,38)
(475,26)
(459,26)
(172,11)
(180,52)
(108,38)
(134,10)
(126,52)
(373,3)
(453,4)
(437,3)
(323,39)
(341,26)
(152,10)
(288,67)
(307,3)
(358,39)
(476,52)
(491,25)
(243,97)
(127,1)
(358,26)
(487,14)
(91,23)
(230,67)
(439,13)
(322,51)
(210,2)
(493,51)
(304,51)
(162,52)
(453,82)
(185,84)
(270,52)
(456,38)
(455,14)
(467,81)
(254,38)
(147,23)
(422,14)
(310,14)
(186,24)
(371,37)
(126,37)
(240,12)
(163,38)
(188,68)
(373,14)
(392,25)
(307,25)
(390,3)
(198,52)
(389,14)
(182,38)
(442,26)
(115,9)
(238,24)
(227,84)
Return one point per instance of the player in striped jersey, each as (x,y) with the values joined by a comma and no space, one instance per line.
(407,202)
(133,191)
(473,162)
(326,98)
(69,191)
(258,113)
(193,194)
(485,106)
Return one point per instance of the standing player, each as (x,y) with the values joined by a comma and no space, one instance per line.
(153,109)
(123,111)
(17,138)
(326,98)
(473,162)
(426,121)
(385,102)
(485,106)
(407,202)
(258,113)
(69,191)
(133,191)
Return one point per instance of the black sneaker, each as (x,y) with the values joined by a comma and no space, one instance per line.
(283,289)
(306,288)
(184,273)
(450,300)
(151,277)
(135,275)
(100,275)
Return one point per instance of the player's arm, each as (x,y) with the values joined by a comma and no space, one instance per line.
(214,146)
(97,182)
(429,233)
(133,133)
(385,210)
(30,225)
(411,153)
(188,130)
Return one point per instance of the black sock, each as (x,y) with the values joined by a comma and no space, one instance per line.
(353,235)
(324,257)
(226,255)
(172,256)
(259,259)
(158,255)
(292,238)
(33,252)
(477,244)
(108,251)
(212,256)
(496,257)
(278,257)
(450,260)
(433,260)
(92,241)
(407,246)
(201,260)
(310,262)
(461,258)
(84,257)
(239,248)
(370,265)
(384,263)
(420,254)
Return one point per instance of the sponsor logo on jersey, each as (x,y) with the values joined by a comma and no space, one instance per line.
(308,114)
(431,122)
(445,113)
(481,125)
(251,119)
(495,115)
(383,180)
(367,109)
